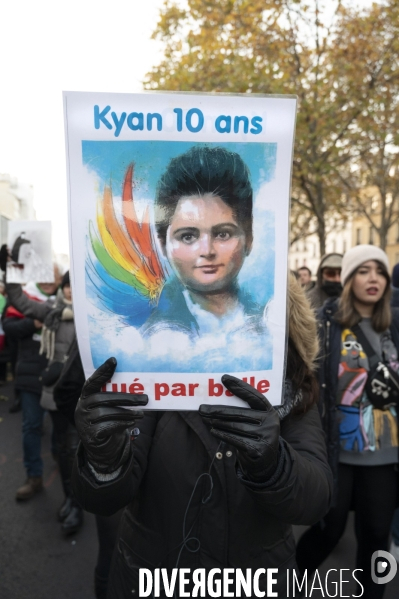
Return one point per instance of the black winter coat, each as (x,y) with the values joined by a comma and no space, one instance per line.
(70,382)
(30,364)
(240,525)
(330,346)
(395,297)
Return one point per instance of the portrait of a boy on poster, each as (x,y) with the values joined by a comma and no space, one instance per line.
(179,210)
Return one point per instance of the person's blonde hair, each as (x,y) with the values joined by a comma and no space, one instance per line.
(302,324)
(347,314)
(303,347)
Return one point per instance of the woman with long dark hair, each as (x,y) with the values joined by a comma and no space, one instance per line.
(359,339)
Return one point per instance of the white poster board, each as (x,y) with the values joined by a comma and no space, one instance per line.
(30,248)
(179,210)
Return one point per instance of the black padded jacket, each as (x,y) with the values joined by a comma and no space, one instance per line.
(235,524)
(30,364)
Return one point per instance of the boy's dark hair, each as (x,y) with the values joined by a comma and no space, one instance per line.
(199,171)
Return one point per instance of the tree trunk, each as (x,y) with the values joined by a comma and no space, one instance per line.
(321,233)
(382,233)
(384,225)
(320,212)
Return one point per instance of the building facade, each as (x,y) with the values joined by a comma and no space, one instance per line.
(306,252)
(16,203)
(364,232)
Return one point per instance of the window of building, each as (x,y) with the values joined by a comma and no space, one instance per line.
(374,203)
(358,236)
(371,236)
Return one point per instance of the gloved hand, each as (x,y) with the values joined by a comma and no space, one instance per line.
(3,257)
(103,427)
(254,432)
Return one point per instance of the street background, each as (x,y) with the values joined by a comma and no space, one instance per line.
(37,562)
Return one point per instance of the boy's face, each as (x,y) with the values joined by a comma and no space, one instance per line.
(205,244)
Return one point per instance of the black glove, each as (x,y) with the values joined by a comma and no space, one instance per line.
(254,432)
(103,427)
(3,257)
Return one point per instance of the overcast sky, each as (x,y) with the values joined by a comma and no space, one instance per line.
(47,47)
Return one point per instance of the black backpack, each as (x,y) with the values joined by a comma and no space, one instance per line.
(382,386)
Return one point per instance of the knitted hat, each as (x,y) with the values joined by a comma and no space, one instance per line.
(65,280)
(356,256)
(395,276)
(331,261)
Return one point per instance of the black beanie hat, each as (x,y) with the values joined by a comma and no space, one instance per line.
(65,280)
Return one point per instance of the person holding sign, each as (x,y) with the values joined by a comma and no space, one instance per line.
(215,489)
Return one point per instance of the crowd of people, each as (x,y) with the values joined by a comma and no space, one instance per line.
(38,348)
(222,487)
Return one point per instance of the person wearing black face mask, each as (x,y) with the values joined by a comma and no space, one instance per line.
(328,280)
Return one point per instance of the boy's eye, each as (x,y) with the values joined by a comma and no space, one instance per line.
(224,235)
(188,237)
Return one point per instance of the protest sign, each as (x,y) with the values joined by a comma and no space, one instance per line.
(179,207)
(29,244)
